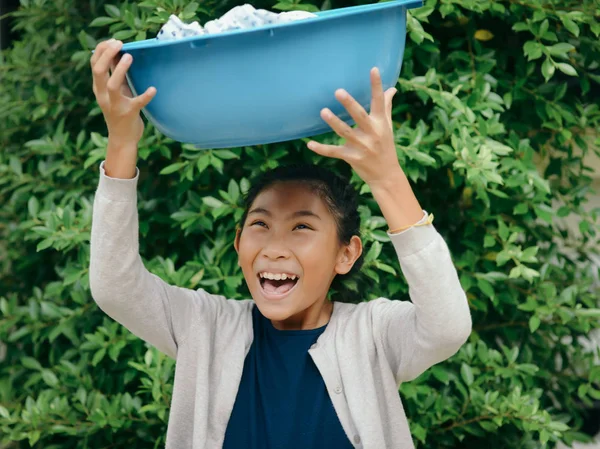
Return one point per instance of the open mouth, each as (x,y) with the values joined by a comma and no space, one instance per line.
(277,287)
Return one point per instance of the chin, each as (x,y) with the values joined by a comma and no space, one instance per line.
(274,311)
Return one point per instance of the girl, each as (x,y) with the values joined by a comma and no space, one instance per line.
(287,368)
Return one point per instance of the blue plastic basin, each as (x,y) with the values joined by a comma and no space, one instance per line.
(268,84)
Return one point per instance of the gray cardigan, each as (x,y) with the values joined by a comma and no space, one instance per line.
(366,351)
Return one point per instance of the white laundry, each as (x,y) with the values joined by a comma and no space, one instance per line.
(240,17)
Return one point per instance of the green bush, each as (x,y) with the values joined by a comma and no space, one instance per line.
(490,92)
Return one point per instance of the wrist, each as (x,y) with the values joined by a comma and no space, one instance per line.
(390,184)
(117,142)
(121,159)
(397,200)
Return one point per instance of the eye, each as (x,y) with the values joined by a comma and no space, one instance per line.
(305,227)
(260,223)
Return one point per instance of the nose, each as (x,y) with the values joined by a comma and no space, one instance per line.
(275,248)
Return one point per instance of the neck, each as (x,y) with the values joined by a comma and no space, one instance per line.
(317,315)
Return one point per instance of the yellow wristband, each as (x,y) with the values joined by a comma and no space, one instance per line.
(428,222)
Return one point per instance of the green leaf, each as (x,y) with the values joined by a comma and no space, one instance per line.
(374,252)
(488,426)
(566,68)
(520,209)
(529,273)
(528,255)
(233,190)
(534,323)
(516,272)
(172,168)
(4,412)
(560,49)
(212,202)
(124,34)
(98,356)
(33,206)
(50,378)
(466,373)
(103,21)
(203,162)
(571,26)
(16,165)
(548,69)
(217,163)
(533,50)
(226,154)
(40,94)
(502,230)
(486,287)
(588,313)
(489,241)
(148,356)
(44,244)
(191,8)
(244,186)
(386,268)
(520,26)
(544,212)
(544,27)
(33,437)
(112,11)
(440,374)
(31,363)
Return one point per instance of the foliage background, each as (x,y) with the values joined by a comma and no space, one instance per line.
(490,91)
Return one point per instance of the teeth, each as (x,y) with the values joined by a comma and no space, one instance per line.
(278,276)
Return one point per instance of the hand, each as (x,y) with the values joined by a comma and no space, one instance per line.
(121,111)
(370,150)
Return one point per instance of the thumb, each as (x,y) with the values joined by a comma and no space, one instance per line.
(389,97)
(325,150)
(141,101)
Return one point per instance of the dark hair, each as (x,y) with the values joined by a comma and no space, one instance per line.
(340,198)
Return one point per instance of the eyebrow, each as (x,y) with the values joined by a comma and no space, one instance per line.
(299,213)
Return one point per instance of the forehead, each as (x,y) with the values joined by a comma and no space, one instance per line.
(290,195)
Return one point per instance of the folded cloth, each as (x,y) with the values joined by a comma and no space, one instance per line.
(240,17)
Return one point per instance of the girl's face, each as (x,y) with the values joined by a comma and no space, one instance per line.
(290,231)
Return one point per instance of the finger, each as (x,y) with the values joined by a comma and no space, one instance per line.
(100,48)
(356,111)
(142,101)
(389,99)
(113,64)
(333,151)
(100,68)
(378,100)
(341,128)
(117,78)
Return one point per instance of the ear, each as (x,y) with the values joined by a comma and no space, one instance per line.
(348,255)
(236,242)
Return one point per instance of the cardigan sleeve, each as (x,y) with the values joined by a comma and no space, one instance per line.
(158,313)
(432,327)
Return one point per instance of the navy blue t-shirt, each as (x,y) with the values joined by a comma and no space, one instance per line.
(282,402)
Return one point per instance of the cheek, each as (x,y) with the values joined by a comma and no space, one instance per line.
(318,260)
(246,249)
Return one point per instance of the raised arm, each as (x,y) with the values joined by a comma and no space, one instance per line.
(431,328)
(159,313)
(416,335)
